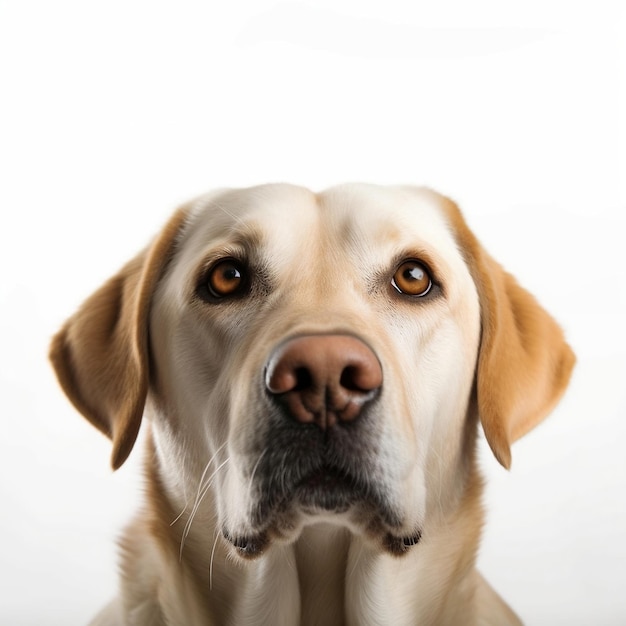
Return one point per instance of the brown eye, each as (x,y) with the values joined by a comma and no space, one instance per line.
(412,279)
(226,278)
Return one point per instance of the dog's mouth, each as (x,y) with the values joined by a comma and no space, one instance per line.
(326,489)
(301,475)
(330,489)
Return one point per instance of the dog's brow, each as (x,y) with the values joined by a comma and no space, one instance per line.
(242,235)
(246,235)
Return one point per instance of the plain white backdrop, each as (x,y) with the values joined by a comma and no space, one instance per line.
(111,113)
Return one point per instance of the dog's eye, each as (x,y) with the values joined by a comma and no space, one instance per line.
(412,279)
(226,278)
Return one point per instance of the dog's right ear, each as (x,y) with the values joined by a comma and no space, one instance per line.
(101,354)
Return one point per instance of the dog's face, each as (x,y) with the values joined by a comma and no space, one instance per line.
(309,357)
(264,330)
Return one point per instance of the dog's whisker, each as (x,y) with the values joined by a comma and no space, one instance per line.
(208,484)
(254,469)
(195,510)
(206,469)
(197,503)
(180,514)
(217,536)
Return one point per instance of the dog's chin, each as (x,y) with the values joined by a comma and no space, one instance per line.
(328,489)
(330,496)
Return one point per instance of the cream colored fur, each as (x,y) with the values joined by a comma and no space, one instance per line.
(145,346)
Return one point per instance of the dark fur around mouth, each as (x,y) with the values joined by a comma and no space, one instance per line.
(330,489)
(306,467)
(323,487)
(298,469)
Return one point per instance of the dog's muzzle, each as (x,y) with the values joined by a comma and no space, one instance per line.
(320,442)
(320,447)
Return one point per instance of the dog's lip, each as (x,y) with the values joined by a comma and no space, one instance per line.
(329,488)
(327,477)
(324,486)
(248,546)
(401,545)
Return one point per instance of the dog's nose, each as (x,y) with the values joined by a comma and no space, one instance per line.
(323,379)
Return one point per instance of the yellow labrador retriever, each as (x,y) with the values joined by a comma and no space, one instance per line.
(312,369)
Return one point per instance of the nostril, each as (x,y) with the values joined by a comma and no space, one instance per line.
(362,377)
(348,379)
(281,379)
(304,380)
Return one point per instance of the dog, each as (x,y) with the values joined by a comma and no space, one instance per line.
(312,370)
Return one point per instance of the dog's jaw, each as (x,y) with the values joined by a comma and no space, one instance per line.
(327,556)
(288,476)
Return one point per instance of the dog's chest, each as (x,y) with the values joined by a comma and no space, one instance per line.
(322,558)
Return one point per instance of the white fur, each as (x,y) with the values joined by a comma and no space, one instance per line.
(330,257)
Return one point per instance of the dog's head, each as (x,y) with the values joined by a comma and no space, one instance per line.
(309,357)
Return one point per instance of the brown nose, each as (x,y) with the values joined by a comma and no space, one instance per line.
(323,379)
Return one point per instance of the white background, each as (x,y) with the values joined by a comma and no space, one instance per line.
(111,113)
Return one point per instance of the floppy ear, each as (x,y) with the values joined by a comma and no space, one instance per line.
(524,363)
(101,354)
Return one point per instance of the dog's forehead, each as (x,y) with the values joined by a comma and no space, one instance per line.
(286,220)
(252,217)
(396,217)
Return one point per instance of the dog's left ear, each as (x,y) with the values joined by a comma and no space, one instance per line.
(524,363)
(101,354)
